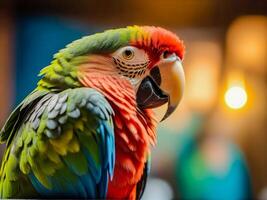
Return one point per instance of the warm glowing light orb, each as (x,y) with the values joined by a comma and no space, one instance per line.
(235,97)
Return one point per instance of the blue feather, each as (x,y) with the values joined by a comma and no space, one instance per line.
(103,185)
(89,185)
(61,187)
(37,185)
(103,145)
(110,148)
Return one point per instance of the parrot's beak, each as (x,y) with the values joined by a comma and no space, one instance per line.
(164,84)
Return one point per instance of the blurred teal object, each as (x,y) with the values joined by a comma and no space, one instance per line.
(205,174)
(38,38)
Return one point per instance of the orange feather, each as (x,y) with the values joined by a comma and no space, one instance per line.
(134,131)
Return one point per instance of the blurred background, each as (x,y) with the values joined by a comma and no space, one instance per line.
(215,144)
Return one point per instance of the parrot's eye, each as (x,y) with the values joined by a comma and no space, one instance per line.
(131,61)
(128,54)
(166,54)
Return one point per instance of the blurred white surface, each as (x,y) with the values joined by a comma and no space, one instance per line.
(158,189)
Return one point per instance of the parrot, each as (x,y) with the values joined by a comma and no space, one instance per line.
(87,129)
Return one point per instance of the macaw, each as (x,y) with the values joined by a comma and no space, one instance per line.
(87,128)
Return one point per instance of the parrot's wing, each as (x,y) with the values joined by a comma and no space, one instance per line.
(142,182)
(64,146)
(19,114)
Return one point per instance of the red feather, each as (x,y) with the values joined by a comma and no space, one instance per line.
(134,132)
(157,41)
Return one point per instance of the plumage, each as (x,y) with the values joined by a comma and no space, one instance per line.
(81,133)
(64,152)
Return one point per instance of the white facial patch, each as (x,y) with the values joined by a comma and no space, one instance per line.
(131,61)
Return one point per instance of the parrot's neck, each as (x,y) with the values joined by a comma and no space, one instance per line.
(132,125)
(134,131)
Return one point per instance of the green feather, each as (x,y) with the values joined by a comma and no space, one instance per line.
(12,168)
(88,141)
(23,164)
(10,188)
(77,162)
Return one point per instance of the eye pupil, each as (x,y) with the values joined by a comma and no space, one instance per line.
(128,54)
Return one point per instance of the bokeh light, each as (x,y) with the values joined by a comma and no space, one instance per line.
(236,97)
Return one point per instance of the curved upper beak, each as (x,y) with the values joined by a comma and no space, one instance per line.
(165,84)
(172,82)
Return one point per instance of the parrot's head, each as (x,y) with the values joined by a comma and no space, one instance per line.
(152,61)
(149,58)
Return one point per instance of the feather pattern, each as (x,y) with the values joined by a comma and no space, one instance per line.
(134,132)
(56,158)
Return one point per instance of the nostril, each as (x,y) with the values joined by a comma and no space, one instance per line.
(155,74)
